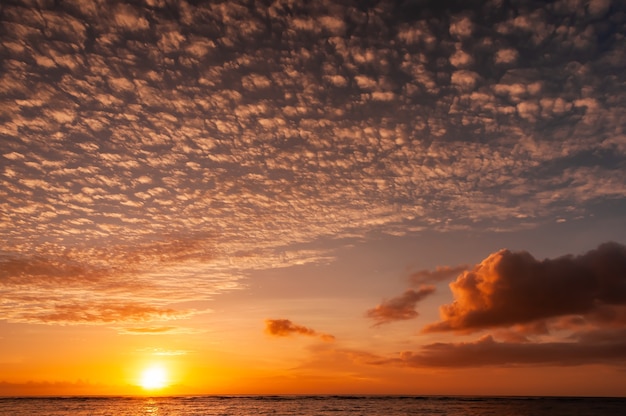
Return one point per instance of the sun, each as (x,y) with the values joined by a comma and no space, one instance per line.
(154,378)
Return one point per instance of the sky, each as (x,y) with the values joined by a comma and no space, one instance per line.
(338,197)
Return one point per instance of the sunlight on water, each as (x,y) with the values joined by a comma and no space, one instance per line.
(151,407)
(311,405)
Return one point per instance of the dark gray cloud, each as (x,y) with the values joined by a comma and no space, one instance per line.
(489,352)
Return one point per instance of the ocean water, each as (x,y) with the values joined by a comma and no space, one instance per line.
(312,405)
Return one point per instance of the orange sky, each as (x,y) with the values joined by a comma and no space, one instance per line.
(409,198)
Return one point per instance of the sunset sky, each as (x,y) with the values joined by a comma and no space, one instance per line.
(409,197)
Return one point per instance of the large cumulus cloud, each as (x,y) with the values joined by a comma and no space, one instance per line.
(509,288)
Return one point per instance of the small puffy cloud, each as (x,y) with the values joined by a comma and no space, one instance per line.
(129,18)
(465,80)
(399,308)
(285,328)
(416,34)
(365,82)
(333,24)
(528,110)
(598,8)
(383,96)
(506,56)
(551,106)
(461,59)
(337,80)
(255,82)
(461,27)
(171,41)
(509,288)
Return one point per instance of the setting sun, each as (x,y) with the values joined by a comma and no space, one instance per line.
(154,378)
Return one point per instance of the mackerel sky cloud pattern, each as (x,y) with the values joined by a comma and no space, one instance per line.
(157,152)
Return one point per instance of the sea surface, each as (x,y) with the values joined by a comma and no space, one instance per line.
(312,405)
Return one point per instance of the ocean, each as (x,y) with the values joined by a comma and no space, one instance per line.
(311,405)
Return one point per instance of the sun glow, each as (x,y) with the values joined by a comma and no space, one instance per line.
(154,378)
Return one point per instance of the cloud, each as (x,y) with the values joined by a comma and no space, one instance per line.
(284,328)
(399,308)
(509,288)
(506,56)
(441,273)
(150,330)
(403,307)
(167,150)
(488,352)
(597,8)
(461,27)
(99,313)
(105,288)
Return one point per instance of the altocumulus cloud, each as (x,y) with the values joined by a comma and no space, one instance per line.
(157,151)
(67,291)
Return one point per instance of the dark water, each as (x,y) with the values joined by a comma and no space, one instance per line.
(312,405)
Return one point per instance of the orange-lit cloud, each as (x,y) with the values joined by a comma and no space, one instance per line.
(441,273)
(565,311)
(373,123)
(100,312)
(610,349)
(284,327)
(509,288)
(399,308)
(70,289)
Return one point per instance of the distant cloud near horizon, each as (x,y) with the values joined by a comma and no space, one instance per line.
(284,328)
(487,351)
